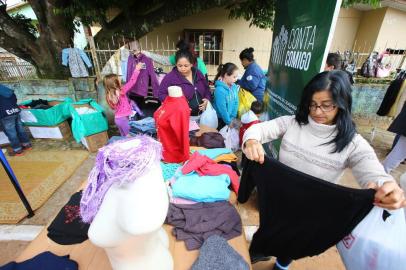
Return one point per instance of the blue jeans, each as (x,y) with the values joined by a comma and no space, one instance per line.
(14,130)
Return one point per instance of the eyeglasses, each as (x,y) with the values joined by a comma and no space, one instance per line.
(323,107)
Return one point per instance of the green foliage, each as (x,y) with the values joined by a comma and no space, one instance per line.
(261,13)
(25,23)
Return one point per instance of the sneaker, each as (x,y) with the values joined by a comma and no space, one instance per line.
(277,266)
(13,153)
(27,147)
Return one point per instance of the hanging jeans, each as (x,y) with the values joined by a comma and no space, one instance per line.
(14,130)
(396,156)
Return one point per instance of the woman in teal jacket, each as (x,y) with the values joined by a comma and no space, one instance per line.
(226,94)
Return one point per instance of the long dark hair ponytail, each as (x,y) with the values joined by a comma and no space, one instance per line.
(223,69)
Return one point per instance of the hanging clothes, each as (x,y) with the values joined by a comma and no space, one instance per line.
(194,223)
(113,65)
(172,122)
(43,261)
(391,94)
(203,165)
(398,125)
(147,75)
(67,228)
(124,54)
(400,100)
(300,215)
(76,59)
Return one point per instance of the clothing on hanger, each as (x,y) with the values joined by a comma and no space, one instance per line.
(146,78)
(76,59)
(391,94)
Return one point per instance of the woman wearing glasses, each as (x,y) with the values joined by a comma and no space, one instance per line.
(321,140)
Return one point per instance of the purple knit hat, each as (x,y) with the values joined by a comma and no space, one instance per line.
(118,163)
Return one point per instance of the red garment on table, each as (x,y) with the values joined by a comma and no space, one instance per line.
(172,124)
(206,166)
(244,128)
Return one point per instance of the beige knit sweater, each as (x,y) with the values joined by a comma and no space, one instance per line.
(302,149)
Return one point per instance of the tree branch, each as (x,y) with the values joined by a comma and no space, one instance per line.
(11,45)
(11,28)
(130,22)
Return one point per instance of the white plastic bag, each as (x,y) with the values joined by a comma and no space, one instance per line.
(377,243)
(209,117)
(231,138)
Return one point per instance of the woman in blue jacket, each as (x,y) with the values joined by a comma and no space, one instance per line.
(253,79)
(226,93)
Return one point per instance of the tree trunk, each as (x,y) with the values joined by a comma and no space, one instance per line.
(45,51)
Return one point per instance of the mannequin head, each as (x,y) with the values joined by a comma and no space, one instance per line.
(175,91)
(118,164)
(127,203)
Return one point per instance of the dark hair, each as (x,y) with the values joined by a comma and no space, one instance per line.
(223,69)
(337,82)
(257,107)
(182,45)
(185,54)
(334,59)
(248,54)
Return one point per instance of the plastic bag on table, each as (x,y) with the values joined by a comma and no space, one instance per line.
(231,138)
(209,117)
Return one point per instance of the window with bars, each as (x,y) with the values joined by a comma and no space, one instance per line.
(211,40)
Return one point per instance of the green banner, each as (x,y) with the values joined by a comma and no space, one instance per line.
(302,35)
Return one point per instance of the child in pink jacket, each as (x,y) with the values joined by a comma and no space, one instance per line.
(116,97)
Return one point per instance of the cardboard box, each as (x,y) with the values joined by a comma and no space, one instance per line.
(95,141)
(59,132)
(55,102)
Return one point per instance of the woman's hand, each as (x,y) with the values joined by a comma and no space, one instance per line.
(389,195)
(203,106)
(254,151)
(139,66)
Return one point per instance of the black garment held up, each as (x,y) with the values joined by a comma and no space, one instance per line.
(300,215)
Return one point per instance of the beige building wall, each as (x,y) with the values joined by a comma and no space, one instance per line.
(392,33)
(349,20)
(237,35)
(368,30)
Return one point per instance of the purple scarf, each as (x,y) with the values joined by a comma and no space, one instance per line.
(116,164)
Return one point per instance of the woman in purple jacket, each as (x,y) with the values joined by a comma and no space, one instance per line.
(193,83)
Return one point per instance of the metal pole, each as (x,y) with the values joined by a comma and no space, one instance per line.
(15,183)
